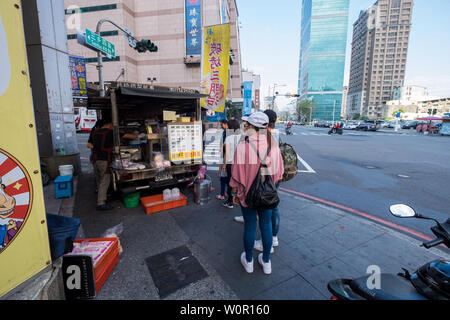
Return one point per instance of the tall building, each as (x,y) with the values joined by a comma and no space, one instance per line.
(324,26)
(175,26)
(379,52)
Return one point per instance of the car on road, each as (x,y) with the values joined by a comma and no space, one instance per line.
(410,125)
(366,126)
(352,125)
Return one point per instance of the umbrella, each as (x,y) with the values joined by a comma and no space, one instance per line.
(430,118)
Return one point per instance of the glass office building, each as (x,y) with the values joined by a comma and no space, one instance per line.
(322,55)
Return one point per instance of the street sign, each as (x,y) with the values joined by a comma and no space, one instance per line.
(130,37)
(99,43)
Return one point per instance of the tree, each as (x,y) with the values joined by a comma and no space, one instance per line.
(231,110)
(394,114)
(304,109)
(356,116)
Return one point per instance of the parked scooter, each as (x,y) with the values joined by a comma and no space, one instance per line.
(429,282)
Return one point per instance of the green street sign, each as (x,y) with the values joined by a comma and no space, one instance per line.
(99,43)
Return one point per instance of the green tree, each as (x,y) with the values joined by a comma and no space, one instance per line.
(356,116)
(232,111)
(394,114)
(303,109)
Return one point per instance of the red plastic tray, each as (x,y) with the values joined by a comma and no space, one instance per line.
(156,203)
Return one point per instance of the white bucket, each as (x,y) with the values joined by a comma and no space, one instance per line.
(66,170)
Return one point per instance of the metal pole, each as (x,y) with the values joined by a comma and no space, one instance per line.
(99,54)
(334,107)
(115,121)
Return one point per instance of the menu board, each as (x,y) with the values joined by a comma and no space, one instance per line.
(185,141)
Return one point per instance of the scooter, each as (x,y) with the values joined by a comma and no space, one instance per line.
(335,130)
(288,130)
(429,282)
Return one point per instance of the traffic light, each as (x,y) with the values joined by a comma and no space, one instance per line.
(145,45)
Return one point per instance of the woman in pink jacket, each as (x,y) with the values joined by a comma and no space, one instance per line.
(243,173)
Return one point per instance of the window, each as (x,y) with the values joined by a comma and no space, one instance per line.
(92,9)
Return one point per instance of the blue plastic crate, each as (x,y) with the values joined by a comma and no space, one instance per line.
(63,187)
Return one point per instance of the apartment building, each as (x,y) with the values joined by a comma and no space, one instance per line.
(379,55)
(173,25)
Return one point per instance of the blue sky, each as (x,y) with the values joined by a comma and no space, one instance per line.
(270,43)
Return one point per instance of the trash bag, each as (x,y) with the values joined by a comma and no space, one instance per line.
(114,232)
(61,233)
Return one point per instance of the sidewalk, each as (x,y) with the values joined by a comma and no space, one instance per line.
(317,244)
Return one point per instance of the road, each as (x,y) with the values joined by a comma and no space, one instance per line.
(365,171)
(369,171)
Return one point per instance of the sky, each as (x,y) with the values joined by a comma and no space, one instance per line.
(270,44)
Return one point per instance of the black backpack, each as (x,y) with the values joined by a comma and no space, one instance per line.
(262,193)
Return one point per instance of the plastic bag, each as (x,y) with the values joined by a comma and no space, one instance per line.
(114,232)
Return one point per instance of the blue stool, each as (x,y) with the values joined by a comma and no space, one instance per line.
(63,187)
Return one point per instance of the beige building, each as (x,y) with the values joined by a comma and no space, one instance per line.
(379,54)
(415,109)
(161,21)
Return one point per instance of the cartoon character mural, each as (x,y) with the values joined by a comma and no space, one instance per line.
(15,197)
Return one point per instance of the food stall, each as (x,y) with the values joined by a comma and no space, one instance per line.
(167,123)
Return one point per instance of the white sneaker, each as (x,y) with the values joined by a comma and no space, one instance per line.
(248,266)
(239,219)
(258,246)
(267,267)
(275,241)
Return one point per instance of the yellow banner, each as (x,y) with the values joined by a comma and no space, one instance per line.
(215,66)
(24,246)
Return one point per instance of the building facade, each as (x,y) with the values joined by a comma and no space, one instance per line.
(175,26)
(379,55)
(419,108)
(324,25)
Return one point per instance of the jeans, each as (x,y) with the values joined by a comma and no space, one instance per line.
(265,226)
(275,221)
(224,181)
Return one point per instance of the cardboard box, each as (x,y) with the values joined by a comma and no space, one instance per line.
(169,115)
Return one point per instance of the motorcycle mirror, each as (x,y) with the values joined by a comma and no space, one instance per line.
(402,211)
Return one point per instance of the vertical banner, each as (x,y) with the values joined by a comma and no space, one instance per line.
(247,107)
(78,76)
(215,66)
(257,99)
(24,244)
(193,17)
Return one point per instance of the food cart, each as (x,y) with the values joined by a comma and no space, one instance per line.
(167,122)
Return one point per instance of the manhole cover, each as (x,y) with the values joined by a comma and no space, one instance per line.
(174,269)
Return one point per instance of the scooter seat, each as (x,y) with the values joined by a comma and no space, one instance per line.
(392,287)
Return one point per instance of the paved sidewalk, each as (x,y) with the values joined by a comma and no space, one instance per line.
(317,244)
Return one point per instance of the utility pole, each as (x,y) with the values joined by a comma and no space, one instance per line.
(140,46)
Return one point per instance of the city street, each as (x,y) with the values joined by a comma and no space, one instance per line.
(368,171)
(318,242)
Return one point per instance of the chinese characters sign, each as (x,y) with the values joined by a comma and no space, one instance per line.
(247,108)
(78,76)
(193,27)
(215,66)
(185,141)
(99,43)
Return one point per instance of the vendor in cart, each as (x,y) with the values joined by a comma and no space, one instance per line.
(101,142)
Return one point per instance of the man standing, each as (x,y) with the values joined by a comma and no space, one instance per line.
(101,142)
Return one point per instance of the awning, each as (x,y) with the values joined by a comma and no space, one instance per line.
(162,93)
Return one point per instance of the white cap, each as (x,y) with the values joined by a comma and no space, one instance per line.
(258,119)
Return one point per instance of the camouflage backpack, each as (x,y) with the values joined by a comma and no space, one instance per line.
(289,161)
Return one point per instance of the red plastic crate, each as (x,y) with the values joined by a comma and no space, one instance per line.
(106,260)
(156,203)
(101,278)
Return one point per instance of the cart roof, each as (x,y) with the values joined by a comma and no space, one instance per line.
(132,94)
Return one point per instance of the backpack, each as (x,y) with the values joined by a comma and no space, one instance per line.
(262,193)
(290,160)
